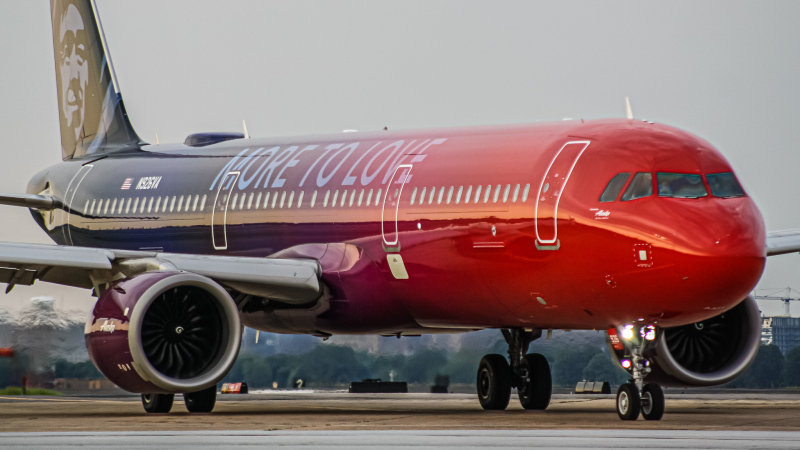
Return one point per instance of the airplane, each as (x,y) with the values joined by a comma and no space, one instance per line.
(631,227)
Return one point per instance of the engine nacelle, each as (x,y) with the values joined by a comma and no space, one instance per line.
(706,353)
(164,332)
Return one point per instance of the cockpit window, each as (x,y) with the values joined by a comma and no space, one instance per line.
(681,185)
(614,187)
(724,185)
(641,186)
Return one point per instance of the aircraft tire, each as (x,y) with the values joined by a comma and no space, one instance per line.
(201,401)
(494,382)
(157,403)
(629,402)
(652,402)
(534,393)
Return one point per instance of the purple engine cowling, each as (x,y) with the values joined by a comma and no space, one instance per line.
(164,332)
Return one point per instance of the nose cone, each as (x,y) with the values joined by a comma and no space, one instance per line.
(722,252)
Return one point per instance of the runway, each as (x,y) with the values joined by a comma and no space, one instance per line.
(309,419)
(483,439)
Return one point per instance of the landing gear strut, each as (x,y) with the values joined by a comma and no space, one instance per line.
(635,397)
(530,374)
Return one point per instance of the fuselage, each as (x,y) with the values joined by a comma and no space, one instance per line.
(494,226)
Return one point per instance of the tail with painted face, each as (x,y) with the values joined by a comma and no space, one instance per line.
(91,112)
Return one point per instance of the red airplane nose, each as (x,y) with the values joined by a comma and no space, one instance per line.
(721,254)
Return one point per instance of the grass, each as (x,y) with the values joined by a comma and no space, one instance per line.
(30,391)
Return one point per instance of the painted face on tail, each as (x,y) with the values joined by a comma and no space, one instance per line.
(73,71)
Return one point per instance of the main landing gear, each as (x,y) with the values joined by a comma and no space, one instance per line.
(635,397)
(530,374)
(196,402)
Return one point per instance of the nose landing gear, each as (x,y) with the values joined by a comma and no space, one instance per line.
(529,373)
(635,397)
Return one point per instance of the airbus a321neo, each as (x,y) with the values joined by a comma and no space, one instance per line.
(631,227)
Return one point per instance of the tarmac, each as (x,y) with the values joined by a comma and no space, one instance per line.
(317,419)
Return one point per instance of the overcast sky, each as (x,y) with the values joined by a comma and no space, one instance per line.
(727,71)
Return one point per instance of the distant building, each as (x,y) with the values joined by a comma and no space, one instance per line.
(782,331)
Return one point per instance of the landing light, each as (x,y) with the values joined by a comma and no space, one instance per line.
(627,332)
(649,332)
(625,363)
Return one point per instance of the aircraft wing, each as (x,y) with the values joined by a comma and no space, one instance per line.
(293,281)
(782,242)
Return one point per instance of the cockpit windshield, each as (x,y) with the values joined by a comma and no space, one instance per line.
(641,186)
(724,185)
(680,185)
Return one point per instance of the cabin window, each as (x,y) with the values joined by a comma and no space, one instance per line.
(525,193)
(113,206)
(121,205)
(488,193)
(325,200)
(180,204)
(449,195)
(313,199)
(241,202)
(352,198)
(274,200)
(505,193)
(165,204)
(291,200)
(266,200)
(640,187)
(300,199)
(378,197)
(361,197)
(234,201)
(369,197)
(249,200)
(496,194)
(283,199)
(158,204)
(458,195)
(91,208)
(421,196)
(258,200)
(516,194)
(203,203)
(468,195)
(680,185)
(135,204)
(725,185)
(431,195)
(614,187)
(149,205)
(172,203)
(478,193)
(335,198)
(344,198)
(441,195)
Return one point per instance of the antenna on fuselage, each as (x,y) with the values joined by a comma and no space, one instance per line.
(244,125)
(628,106)
(156,138)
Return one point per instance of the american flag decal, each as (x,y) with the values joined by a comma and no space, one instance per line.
(127,184)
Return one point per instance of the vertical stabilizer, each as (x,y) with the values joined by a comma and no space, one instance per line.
(91,112)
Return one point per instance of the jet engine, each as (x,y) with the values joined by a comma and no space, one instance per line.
(706,353)
(164,332)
